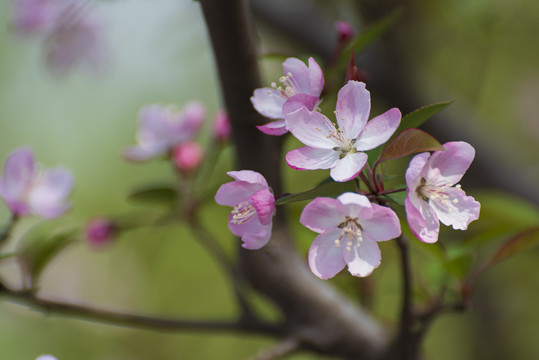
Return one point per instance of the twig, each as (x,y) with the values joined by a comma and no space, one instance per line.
(285,347)
(406,318)
(29,299)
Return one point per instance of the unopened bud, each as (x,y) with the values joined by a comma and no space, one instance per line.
(221,126)
(345,32)
(188,156)
(100,232)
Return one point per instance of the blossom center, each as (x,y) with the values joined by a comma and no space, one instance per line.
(242,213)
(437,192)
(351,234)
(289,86)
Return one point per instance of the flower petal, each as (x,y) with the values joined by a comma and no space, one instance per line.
(378,130)
(48,195)
(383,225)
(268,102)
(348,167)
(353,108)
(258,240)
(416,170)
(325,257)
(362,259)
(423,221)
(308,158)
(311,128)
(297,101)
(264,203)
(317,78)
(298,75)
(276,128)
(457,212)
(139,154)
(235,192)
(355,205)
(453,162)
(19,170)
(248,176)
(322,214)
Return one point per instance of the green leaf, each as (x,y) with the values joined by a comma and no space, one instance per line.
(397,197)
(417,117)
(329,189)
(522,241)
(155,194)
(459,266)
(41,243)
(410,141)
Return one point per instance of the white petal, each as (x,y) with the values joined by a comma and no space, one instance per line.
(348,167)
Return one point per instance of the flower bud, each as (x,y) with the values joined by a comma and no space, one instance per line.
(221,126)
(345,32)
(188,156)
(100,232)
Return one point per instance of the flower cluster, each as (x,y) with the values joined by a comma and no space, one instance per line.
(350,225)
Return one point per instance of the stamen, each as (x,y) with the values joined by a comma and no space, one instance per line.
(242,213)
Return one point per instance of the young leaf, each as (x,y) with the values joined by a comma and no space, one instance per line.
(397,197)
(155,194)
(417,117)
(329,189)
(410,141)
(522,241)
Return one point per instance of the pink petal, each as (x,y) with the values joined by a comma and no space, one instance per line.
(322,214)
(353,108)
(297,101)
(258,240)
(264,203)
(416,170)
(317,78)
(48,195)
(355,205)
(276,128)
(308,158)
(348,167)
(454,161)
(268,102)
(190,120)
(251,226)
(248,176)
(235,192)
(378,130)
(363,259)
(298,75)
(383,225)
(139,154)
(460,214)
(311,128)
(325,257)
(423,222)
(19,170)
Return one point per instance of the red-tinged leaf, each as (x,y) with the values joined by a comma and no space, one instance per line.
(410,141)
(524,240)
(417,117)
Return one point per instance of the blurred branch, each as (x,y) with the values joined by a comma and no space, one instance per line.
(283,348)
(29,299)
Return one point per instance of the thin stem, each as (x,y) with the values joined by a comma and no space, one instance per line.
(367,182)
(212,246)
(6,231)
(392,191)
(407,343)
(29,299)
(283,348)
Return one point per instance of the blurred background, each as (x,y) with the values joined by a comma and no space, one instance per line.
(481,53)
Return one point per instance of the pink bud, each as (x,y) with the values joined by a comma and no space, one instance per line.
(221,126)
(345,32)
(188,155)
(99,232)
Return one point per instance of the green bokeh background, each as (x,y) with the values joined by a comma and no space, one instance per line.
(481,53)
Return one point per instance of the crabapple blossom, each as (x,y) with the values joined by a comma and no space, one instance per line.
(254,206)
(46,357)
(161,128)
(30,17)
(221,126)
(301,83)
(340,149)
(188,156)
(26,189)
(99,232)
(432,193)
(349,227)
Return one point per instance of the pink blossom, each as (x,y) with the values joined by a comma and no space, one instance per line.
(188,156)
(344,31)
(46,357)
(99,232)
(26,189)
(161,128)
(254,206)
(432,196)
(340,149)
(30,17)
(349,228)
(302,83)
(221,126)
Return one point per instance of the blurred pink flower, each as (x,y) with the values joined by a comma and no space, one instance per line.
(27,189)
(342,149)
(254,206)
(46,357)
(431,195)
(345,32)
(161,128)
(99,232)
(188,156)
(349,227)
(30,17)
(222,130)
(301,83)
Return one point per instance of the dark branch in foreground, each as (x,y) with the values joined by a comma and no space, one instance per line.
(49,307)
